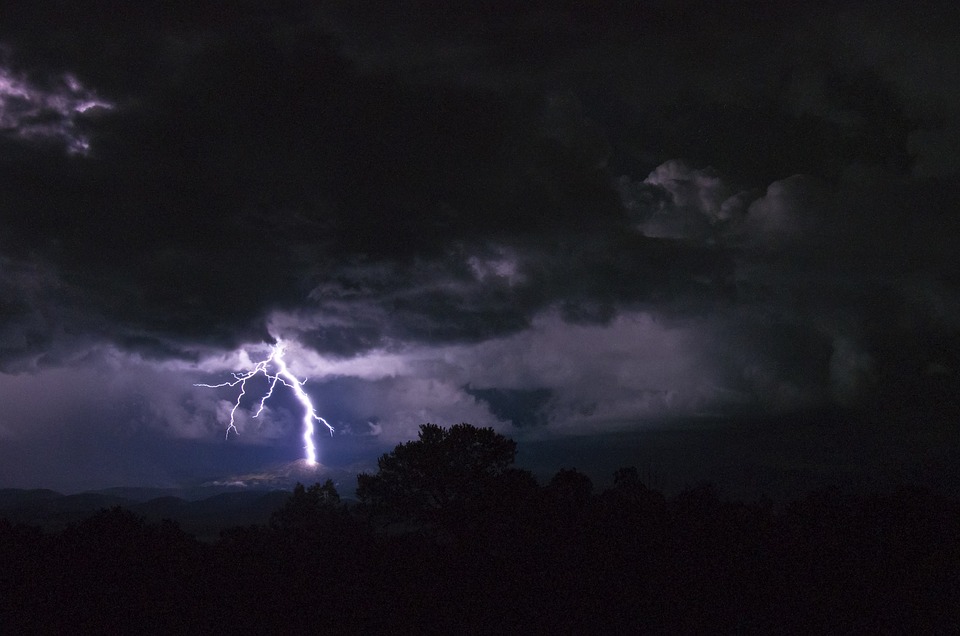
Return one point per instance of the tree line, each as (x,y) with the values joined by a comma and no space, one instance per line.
(450,537)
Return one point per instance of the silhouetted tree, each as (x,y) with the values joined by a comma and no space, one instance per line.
(442,475)
(307,507)
(571,487)
(633,513)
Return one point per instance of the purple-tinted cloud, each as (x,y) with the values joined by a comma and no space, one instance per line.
(624,220)
(53,113)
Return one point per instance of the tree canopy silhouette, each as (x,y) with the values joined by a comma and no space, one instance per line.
(307,508)
(442,473)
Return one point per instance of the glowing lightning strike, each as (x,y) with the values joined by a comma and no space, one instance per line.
(283,376)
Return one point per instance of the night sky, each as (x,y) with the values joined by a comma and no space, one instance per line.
(707,239)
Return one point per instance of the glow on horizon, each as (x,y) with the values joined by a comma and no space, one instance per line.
(282,375)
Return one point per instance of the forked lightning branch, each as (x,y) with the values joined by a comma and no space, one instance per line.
(280,374)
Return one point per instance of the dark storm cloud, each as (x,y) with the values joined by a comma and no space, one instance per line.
(368,178)
(544,218)
(248,163)
(825,283)
(520,407)
(756,90)
(43,321)
(475,292)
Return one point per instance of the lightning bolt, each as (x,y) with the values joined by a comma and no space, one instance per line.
(282,375)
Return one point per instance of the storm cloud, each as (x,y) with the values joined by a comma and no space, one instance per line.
(549,220)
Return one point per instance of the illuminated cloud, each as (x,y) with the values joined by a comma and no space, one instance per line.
(53,112)
(600,222)
(275,371)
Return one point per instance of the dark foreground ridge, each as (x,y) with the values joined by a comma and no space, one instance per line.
(450,538)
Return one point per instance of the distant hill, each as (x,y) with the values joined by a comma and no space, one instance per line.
(203,517)
(202,510)
(14,497)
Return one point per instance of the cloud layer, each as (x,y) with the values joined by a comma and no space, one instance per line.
(551,221)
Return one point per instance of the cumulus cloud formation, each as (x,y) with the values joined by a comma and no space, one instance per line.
(791,212)
(678,202)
